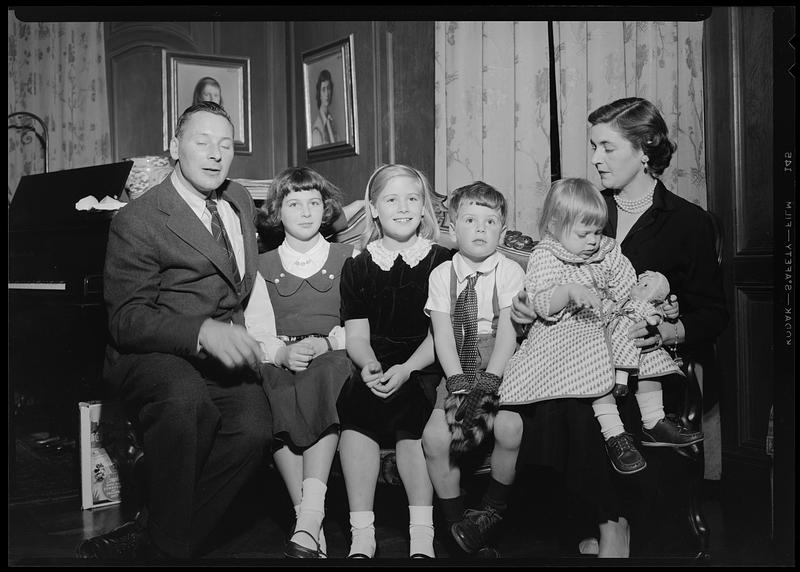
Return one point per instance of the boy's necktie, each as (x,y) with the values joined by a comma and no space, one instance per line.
(465,327)
(218,230)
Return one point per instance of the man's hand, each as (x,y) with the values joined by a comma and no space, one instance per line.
(230,344)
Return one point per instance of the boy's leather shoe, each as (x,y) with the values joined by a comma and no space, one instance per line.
(668,432)
(624,457)
(473,532)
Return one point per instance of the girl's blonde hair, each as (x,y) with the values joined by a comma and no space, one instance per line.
(570,201)
(429,225)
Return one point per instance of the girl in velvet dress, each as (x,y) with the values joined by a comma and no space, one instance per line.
(390,397)
(307,364)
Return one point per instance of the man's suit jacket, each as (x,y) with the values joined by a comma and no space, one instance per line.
(165,275)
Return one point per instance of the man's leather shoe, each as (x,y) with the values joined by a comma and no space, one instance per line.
(129,542)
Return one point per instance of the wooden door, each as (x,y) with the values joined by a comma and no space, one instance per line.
(738,52)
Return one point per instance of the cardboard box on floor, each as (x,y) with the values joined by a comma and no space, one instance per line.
(100,423)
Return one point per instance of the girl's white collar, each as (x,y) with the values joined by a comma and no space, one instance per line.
(412,255)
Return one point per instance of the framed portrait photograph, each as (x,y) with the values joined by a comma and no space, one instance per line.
(329,88)
(190,78)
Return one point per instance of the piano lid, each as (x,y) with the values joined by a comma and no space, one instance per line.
(46,201)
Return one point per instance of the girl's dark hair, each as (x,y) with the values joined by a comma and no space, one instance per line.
(325,75)
(293,179)
(640,122)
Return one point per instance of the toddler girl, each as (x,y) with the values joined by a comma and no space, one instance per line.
(575,274)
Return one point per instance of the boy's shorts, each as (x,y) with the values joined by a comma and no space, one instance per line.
(485,347)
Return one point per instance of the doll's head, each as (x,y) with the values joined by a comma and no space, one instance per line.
(651,287)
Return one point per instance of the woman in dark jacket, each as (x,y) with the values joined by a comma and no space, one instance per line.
(659,231)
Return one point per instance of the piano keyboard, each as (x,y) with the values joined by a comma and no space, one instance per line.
(37,285)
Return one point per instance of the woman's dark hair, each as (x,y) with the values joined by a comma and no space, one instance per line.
(201,84)
(293,179)
(640,122)
(325,75)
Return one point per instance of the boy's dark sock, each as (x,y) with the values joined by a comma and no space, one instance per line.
(452,509)
(496,495)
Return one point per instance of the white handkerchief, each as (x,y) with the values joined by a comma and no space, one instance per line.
(91,203)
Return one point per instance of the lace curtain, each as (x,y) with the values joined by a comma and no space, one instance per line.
(58,72)
(492,96)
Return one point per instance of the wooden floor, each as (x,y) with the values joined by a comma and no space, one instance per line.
(535,530)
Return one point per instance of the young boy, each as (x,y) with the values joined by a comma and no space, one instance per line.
(477,214)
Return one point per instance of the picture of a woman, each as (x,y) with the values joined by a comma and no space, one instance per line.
(323,130)
(207,89)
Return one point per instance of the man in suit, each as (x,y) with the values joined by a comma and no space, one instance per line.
(179,271)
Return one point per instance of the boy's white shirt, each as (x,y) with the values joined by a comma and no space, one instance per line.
(509,275)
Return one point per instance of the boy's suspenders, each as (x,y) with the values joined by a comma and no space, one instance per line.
(495,301)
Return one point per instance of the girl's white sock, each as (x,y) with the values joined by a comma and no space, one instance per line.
(322,544)
(420,530)
(607,415)
(312,510)
(362,528)
(651,406)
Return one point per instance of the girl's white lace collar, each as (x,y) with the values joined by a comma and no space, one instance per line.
(412,255)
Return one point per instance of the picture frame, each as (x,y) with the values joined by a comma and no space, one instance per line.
(227,77)
(330,69)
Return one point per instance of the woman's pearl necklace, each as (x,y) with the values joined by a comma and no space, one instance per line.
(636,206)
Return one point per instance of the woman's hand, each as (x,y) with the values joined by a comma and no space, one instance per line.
(650,338)
(521,312)
(297,356)
(671,308)
(391,381)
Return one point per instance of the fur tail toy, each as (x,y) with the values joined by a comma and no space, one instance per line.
(470,409)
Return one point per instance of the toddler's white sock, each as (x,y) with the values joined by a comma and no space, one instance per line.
(651,405)
(608,417)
